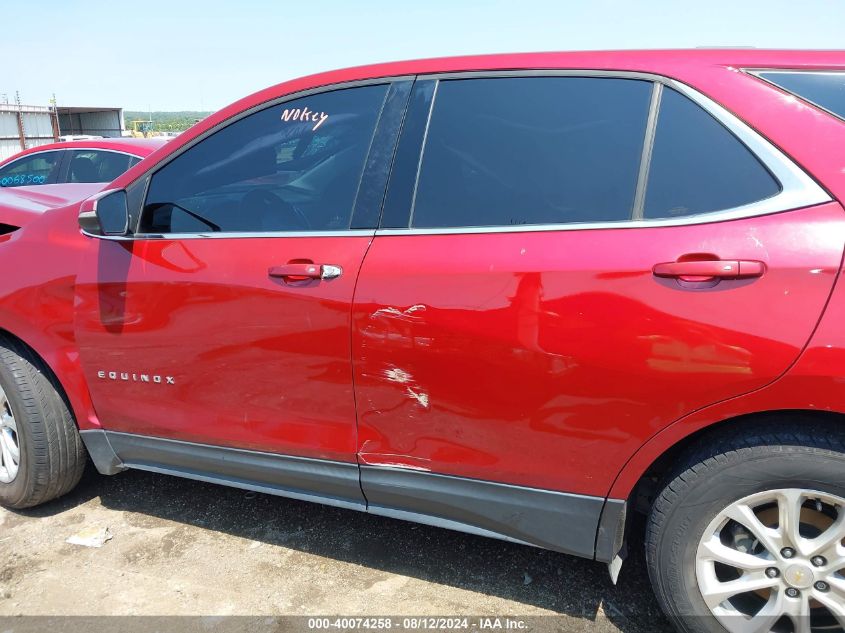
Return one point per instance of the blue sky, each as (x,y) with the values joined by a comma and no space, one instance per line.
(172,55)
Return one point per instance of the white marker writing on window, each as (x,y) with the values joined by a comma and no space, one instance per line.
(304,114)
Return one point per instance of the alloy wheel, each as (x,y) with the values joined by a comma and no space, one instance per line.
(10,452)
(775,561)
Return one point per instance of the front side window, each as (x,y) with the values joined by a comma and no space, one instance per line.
(294,166)
(698,166)
(97,165)
(37,169)
(531,150)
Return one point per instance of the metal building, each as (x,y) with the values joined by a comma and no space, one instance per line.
(22,127)
(94,121)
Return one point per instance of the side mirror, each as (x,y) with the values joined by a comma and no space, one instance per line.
(105,214)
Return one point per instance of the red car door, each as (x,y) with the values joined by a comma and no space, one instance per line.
(224,322)
(572,264)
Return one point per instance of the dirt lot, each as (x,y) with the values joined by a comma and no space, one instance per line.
(187,548)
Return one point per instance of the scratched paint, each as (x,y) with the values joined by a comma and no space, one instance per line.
(396,312)
(420,397)
(395,374)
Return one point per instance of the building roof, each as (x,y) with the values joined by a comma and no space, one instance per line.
(82,110)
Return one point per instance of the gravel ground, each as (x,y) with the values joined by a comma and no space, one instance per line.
(182,547)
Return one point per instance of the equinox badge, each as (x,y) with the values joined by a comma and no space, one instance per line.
(151,378)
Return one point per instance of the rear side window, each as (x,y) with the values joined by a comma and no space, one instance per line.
(294,166)
(37,169)
(531,150)
(698,166)
(824,89)
(97,165)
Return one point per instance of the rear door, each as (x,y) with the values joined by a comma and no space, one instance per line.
(224,323)
(566,265)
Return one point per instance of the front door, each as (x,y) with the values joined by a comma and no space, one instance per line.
(225,322)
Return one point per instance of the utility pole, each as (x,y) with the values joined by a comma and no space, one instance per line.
(21,132)
(54,117)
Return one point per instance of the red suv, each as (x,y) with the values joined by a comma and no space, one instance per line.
(525,296)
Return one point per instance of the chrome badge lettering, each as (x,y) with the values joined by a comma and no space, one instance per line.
(304,114)
(125,376)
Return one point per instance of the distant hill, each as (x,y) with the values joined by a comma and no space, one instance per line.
(165,121)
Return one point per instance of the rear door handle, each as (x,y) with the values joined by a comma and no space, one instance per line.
(304,271)
(696,270)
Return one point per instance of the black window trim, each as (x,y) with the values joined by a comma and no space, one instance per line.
(797,188)
(757,72)
(400,191)
(421,156)
(378,163)
(143,181)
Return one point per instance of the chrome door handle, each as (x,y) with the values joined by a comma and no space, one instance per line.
(303,271)
(327,271)
(710,269)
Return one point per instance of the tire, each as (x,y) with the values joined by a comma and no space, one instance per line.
(35,417)
(791,466)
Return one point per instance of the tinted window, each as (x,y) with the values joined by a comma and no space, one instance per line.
(825,89)
(290,167)
(37,169)
(697,165)
(96,165)
(531,150)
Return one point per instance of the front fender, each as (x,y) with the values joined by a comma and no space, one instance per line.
(40,261)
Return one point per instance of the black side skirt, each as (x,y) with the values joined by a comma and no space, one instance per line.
(575,524)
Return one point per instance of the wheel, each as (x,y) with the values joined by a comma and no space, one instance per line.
(748,534)
(41,453)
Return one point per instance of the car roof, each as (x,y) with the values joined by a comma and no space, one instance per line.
(140,147)
(669,62)
(678,64)
(653,61)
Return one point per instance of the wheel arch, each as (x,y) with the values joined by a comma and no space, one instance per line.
(640,495)
(637,485)
(65,371)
